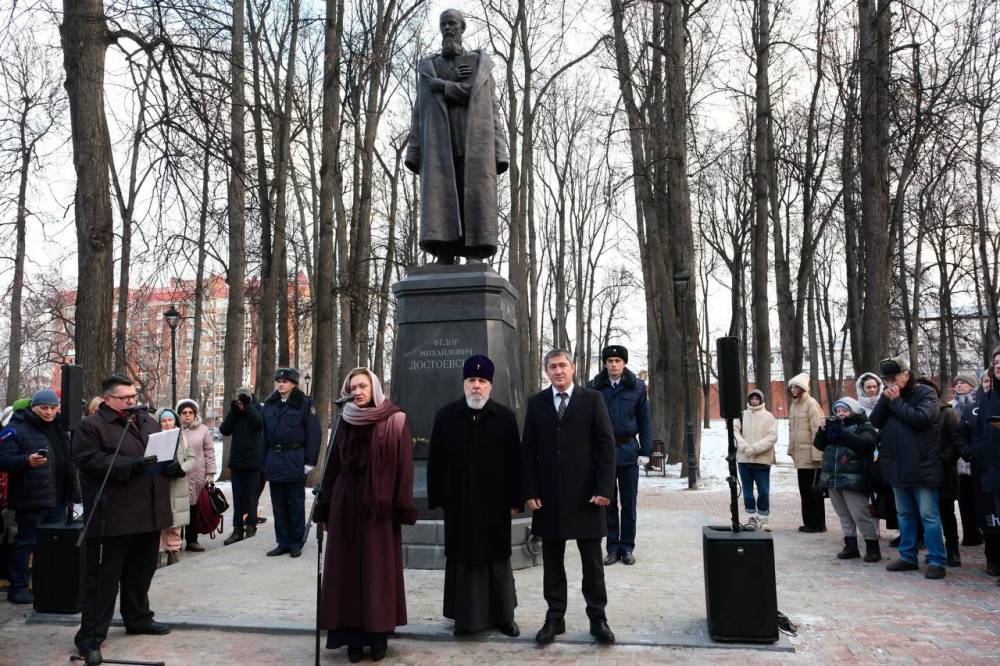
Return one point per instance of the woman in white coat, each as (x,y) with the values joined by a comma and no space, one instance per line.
(170,538)
(756,435)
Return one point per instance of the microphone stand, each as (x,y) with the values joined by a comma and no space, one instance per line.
(95,657)
(318,496)
(731,459)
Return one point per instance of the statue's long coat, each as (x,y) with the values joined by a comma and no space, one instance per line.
(429,154)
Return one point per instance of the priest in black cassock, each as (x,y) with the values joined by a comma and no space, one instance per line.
(474,476)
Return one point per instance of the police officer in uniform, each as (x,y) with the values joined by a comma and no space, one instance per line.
(291,448)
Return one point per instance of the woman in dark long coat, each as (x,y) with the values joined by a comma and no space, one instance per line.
(369,485)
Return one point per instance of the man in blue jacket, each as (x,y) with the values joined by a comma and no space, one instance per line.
(625,396)
(35,452)
(291,448)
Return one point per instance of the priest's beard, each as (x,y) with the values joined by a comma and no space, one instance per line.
(477,401)
(451,46)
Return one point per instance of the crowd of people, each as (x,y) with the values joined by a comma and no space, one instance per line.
(897,452)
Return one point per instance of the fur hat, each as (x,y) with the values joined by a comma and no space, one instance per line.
(186,402)
(291,374)
(616,351)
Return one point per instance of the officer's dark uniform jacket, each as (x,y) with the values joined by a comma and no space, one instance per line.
(629,411)
(291,436)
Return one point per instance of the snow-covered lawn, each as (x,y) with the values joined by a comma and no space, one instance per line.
(715,469)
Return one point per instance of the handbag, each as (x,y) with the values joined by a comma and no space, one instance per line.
(818,489)
(217,499)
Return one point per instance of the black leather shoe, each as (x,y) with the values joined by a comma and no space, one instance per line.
(91,657)
(811,530)
(280,550)
(355,654)
(901,565)
(610,559)
(954,558)
(377,653)
(297,552)
(600,630)
(628,558)
(992,569)
(550,630)
(510,629)
(154,628)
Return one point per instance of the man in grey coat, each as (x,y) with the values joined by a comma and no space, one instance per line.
(458,148)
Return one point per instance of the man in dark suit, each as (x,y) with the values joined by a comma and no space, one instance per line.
(568,463)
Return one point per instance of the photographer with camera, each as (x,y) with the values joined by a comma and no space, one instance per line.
(245,425)
(34,451)
(848,442)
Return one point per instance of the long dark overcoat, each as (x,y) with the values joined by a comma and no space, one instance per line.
(429,153)
(133,503)
(566,462)
(474,474)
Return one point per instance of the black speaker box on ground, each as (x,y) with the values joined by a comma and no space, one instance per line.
(56,574)
(727,352)
(740,594)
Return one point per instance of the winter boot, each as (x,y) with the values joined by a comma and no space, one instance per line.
(850,550)
(237,535)
(173,557)
(249,530)
(872,551)
(954,557)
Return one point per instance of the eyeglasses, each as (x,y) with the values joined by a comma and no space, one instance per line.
(123,398)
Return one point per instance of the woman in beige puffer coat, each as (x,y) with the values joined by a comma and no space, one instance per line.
(804,417)
(756,435)
(203,448)
(170,538)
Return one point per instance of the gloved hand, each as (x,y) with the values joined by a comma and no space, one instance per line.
(834,429)
(173,470)
(143,465)
(309,468)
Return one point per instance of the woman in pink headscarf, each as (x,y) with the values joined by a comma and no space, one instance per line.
(368,484)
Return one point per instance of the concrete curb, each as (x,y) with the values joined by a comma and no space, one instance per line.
(435,633)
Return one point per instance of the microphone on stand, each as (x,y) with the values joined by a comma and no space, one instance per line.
(344,400)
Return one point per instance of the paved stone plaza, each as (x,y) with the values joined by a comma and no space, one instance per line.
(232,605)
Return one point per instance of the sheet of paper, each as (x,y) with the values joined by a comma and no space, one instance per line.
(163,445)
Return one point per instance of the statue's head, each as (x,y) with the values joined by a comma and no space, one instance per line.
(452,29)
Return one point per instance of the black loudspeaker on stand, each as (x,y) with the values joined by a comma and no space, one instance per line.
(740,594)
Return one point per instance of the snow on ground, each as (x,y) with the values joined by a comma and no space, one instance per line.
(714,468)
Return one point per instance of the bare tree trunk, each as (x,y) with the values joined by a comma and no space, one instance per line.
(758,251)
(25,151)
(390,261)
(85,36)
(199,283)
(992,337)
(236,218)
(874,36)
(324,334)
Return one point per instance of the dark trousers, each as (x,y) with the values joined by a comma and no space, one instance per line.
(813,505)
(26,540)
(949,523)
(554,577)
(128,563)
(621,525)
(190,534)
(288,502)
(972,535)
(244,497)
(992,548)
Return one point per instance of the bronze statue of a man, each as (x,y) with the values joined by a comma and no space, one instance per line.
(458,147)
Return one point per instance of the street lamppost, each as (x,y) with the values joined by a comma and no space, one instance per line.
(681,279)
(173,318)
(307,377)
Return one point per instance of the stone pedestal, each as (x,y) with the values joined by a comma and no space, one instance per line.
(445,314)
